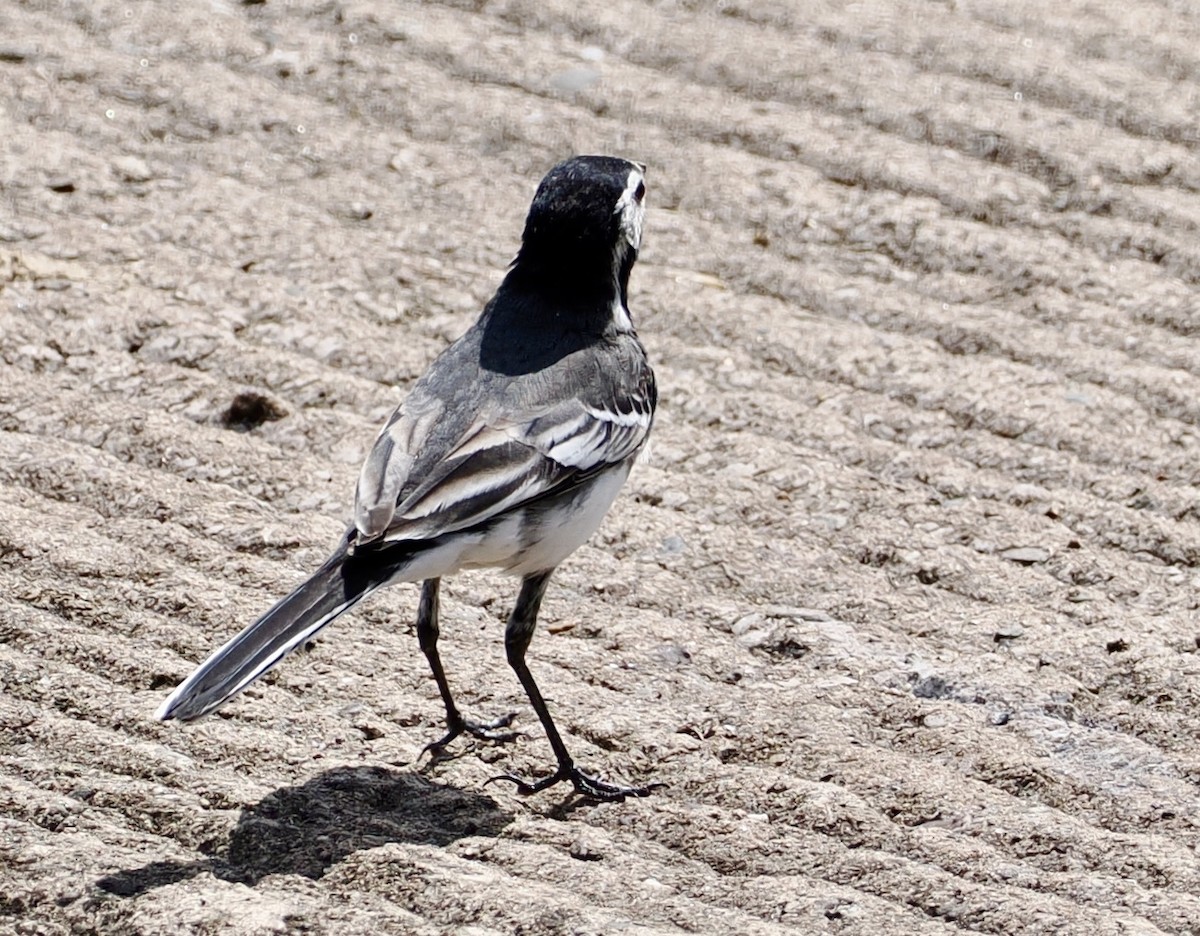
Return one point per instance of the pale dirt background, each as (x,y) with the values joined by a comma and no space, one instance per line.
(902,606)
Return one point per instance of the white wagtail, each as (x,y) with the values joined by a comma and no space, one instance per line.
(507,453)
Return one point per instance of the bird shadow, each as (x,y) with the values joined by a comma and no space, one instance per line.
(308,828)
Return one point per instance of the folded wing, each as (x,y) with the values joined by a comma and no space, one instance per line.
(499,464)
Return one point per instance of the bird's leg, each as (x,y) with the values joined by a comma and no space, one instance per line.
(516,641)
(427,637)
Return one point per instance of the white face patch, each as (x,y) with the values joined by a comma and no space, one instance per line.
(631,209)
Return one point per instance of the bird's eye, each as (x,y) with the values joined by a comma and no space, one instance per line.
(640,193)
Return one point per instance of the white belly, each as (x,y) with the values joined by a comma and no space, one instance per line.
(554,533)
(530,539)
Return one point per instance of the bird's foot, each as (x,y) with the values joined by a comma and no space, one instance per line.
(484,731)
(585,785)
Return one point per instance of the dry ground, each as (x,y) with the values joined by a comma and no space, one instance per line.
(901,607)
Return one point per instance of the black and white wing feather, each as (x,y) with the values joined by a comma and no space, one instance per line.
(499,462)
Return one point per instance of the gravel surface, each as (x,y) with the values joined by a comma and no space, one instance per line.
(901,606)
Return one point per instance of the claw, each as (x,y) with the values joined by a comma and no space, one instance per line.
(584,784)
(484,731)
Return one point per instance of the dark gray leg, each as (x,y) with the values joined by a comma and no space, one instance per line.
(516,641)
(427,637)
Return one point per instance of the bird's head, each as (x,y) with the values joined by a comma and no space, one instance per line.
(585,222)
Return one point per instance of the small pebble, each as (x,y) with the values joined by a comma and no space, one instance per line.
(673,545)
(583,850)
(674,499)
(575,79)
(132,169)
(1008,632)
(673,654)
(1025,555)
(14,52)
(750,621)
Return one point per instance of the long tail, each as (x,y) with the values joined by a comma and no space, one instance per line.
(334,588)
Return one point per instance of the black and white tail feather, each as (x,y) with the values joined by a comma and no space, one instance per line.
(291,622)
(507,453)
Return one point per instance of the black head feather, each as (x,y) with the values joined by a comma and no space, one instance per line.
(583,232)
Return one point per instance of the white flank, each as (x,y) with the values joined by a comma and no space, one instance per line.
(564,528)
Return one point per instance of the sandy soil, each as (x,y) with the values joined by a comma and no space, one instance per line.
(901,608)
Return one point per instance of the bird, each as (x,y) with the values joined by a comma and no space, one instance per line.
(506,454)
